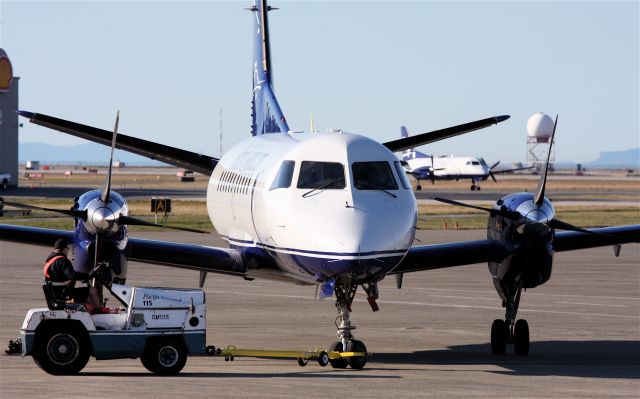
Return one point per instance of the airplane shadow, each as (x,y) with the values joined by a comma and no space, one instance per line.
(593,359)
(324,374)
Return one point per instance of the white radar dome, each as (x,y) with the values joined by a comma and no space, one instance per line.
(540,126)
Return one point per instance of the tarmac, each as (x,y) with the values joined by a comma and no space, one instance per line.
(429,339)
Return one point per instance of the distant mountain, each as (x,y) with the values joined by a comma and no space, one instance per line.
(617,159)
(89,153)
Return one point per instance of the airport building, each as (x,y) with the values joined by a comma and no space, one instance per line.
(8,119)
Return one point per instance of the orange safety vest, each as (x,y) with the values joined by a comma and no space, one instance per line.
(49,263)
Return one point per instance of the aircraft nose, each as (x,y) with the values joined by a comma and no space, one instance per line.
(352,233)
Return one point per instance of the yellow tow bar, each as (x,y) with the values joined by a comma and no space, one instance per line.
(303,357)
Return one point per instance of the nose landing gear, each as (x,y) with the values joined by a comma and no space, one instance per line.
(510,331)
(345,291)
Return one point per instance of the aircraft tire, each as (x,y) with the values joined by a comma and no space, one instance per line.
(521,338)
(341,363)
(61,351)
(164,356)
(357,362)
(419,187)
(498,337)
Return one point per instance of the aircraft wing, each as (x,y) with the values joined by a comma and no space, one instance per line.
(437,256)
(495,172)
(187,256)
(425,138)
(173,156)
(571,240)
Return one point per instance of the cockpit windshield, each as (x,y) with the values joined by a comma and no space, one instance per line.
(328,175)
(373,176)
(284,176)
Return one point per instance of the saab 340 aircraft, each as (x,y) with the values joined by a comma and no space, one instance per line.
(447,167)
(332,209)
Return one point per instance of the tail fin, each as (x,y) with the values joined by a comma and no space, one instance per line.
(267,117)
(410,152)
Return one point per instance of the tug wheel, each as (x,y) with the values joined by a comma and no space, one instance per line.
(357,362)
(340,363)
(164,356)
(323,359)
(61,351)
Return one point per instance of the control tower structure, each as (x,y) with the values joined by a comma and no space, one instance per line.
(539,131)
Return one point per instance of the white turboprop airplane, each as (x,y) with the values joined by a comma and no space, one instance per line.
(447,167)
(332,209)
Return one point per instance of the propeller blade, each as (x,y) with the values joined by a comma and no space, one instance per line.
(507,214)
(69,212)
(559,224)
(543,179)
(433,170)
(493,177)
(97,245)
(494,165)
(139,222)
(106,191)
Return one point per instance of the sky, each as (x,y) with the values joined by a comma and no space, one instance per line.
(366,67)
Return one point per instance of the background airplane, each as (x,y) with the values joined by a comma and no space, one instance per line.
(333,209)
(448,167)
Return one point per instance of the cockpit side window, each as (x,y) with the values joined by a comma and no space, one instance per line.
(475,163)
(373,176)
(402,174)
(284,176)
(328,175)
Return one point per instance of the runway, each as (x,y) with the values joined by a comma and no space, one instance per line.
(429,339)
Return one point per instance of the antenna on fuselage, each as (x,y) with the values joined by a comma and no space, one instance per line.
(311,125)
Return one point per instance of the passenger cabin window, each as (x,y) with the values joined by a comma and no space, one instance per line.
(284,176)
(402,175)
(326,175)
(373,176)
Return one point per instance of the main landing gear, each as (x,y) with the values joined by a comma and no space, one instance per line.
(475,186)
(345,291)
(510,331)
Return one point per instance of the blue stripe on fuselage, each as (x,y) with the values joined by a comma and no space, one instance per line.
(324,265)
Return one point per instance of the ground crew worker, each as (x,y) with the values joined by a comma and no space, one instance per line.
(58,268)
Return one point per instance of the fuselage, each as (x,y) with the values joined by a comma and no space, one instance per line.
(446,167)
(312,206)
